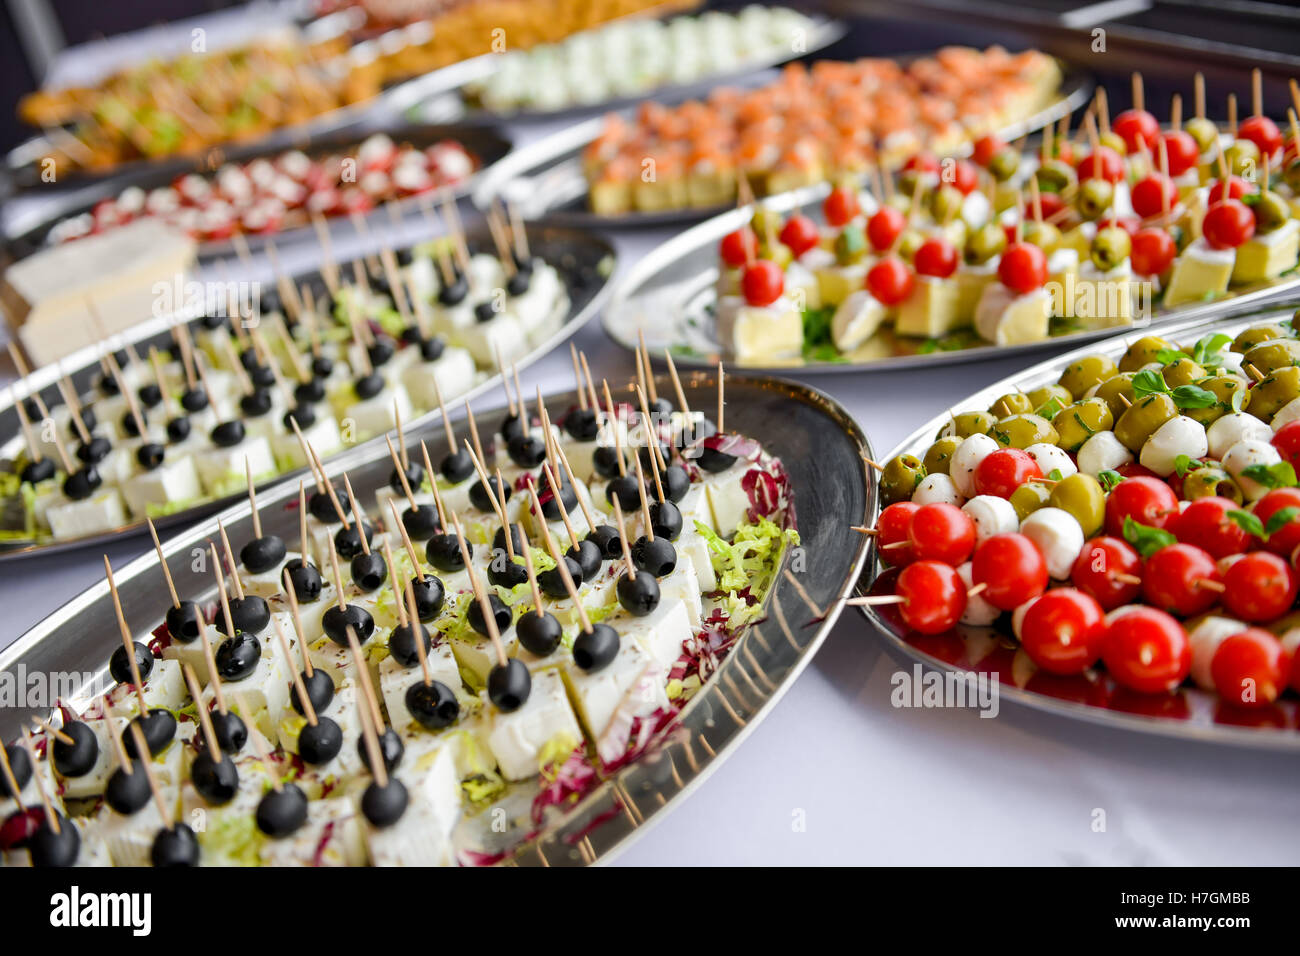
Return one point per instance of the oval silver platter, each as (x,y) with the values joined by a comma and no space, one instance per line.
(554,244)
(454,106)
(669,292)
(821,447)
(487,146)
(545,178)
(1189,714)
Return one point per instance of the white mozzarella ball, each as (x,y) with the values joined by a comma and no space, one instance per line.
(1204,640)
(991,515)
(1018,617)
(1058,536)
(1102,452)
(1178,436)
(1287,413)
(967,458)
(979,612)
(1051,458)
(937,489)
(1231,361)
(1244,454)
(1225,432)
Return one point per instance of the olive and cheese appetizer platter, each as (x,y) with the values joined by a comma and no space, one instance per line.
(1113,533)
(950,260)
(161,425)
(558,615)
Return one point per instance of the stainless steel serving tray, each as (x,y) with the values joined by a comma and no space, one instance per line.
(545,178)
(821,447)
(667,293)
(1189,714)
(487,146)
(568,249)
(455,105)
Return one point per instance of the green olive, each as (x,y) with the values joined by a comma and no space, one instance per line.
(938,457)
(1021,431)
(1114,141)
(1055,176)
(765,222)
(1143,352)
(909,179)
(1110,247)
(1094,198)
(1209,481)
(900,478)
(1203,131)
(1271,211)
(985,243)
(965,424)
(1137,424)
(946,203)
(1223,387)
(1088,371)
(1078,422)
(1273,392)
(1005,163)
(1249,338)
(1117,392)
(1041,396)
(1242,158)
(850,244)
(1272,355)
(1081,496)
(1181,372)
(1028,498)
(909,242)
(1042,234)
(1012,403)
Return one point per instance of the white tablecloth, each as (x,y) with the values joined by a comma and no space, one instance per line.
(837,776)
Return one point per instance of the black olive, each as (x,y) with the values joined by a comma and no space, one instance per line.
(322,366)
(676,483)
(83,483)
(433,705)
(269,302)
(150,455)
(526,451)
(263,554)
(589,558)
(648,460)
(501,613)
(282,812)
(231,731)
(250,614)
(249,359)
(34,413)
(516,539)
(178,429)
(213,322)
(457,466)
(384,806)
(321,742)
(158,727)
(320,691)
(454,292)
(368,386)
(306,580)
(256,403)
(337,620)
(696,429)
(107,385)
(34,472)
(184,622)
(657,558)
(321,507)
(482,499)
(150,395)
(639,596)
(309,392)
(304,415)
(238,656)
(661,408)
(522,263)
(518,283)
(431,349)
(381,350)
(485,311)
(421,525)
(20,765)
(414,473)
(628,489)
(175,847)
(127,791)
(551,581)
(582,424)
(443,552)
(77,758)
(412,335)
(402,643)
(49,847)
(512,426)
(714,461)
(369,571)
(129,425)
(347,541)
(94,451)
(390,749)
(194,400)
(215,778)
(539,633)
(551,507)
(228,434)
(509,684)
(594,649)
(505,573)
(665,519)
(605,461)
(120,668)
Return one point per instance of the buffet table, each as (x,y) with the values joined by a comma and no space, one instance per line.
(837,775)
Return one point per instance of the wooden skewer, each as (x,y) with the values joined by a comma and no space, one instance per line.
(677,387)
(1139,99)
(205,719)
(329,490)
(11,780)
(582,502)
(142,748)
(127,641)
(51,815)
(563,570)
(338,578)
(363,678)
(357,514)
(302,522)
(401,477)
(722,404)
(1198,94)
(649,376)
(230,556)
(446,422)
(559,502)
(433,483)
(617,423)
(645,505)
(296,616)
(532,576)
(489,619)
(655,452)
(54,732)
(591,383)
(308,710)
(413,616)
(622,539)
(577,377)
(307,454)
(371,736)
(33,449)
(499,496)
(1257,91)
(473,432)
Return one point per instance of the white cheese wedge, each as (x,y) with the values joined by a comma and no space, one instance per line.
(517,739)
(103,511)
(175,480)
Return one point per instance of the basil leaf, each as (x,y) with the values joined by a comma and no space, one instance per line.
(1145,539)
(1278,475)
(1183,464)
(1193,396)
(1209,349)
(1049,409)
(1248,523)
(1170,356)
(1281,519)
(1108,479)
(1149,382)
(1055,475)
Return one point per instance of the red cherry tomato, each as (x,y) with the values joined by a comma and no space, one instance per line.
(1012,569)
(1263,132)
(1228,224)
(937,257)
(1235,189)
(841,206)
(1003,471)
(922,162)
(964,176)
(1250,669)
(1153,252)
(1099,568)
(762,282)
(934,596)
(1103,163)
(1181,151)
(1135,128)
(985,148)
(884,227)
(1132,469)
(890,280)
(1283,540)
(1153,194)
(739,247)
(1259,587)
(1063,630)
(1147,501)
(800,234)
(1287,442)
(1147,651)
(1181,579)
(894,528)
(1023,267)
(1051,203)
(1205,524)
(941,532)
